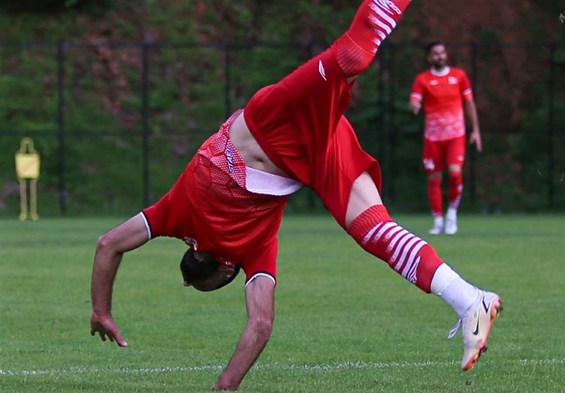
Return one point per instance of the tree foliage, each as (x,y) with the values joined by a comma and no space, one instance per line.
(206,57)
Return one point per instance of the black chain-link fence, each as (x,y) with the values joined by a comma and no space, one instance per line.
(115,124)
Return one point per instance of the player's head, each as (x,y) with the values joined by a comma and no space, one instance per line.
(201,271)
(436,54)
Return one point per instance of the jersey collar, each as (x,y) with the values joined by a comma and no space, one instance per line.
(443,72)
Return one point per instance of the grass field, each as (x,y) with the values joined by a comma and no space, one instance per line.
(345,322)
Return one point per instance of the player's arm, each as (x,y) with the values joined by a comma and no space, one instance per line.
(109,251)
(260,301)
(416,97)
(414,107)
(475,136)
(470,110)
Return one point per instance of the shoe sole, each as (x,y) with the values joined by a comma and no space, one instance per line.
(495,312)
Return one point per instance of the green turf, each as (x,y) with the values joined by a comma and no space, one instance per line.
(345,322)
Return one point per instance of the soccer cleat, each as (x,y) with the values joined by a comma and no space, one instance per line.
(438,226)
(475,327)
(451,221)
(450,226)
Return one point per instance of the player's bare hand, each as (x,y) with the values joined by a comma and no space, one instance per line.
(106,328)
(224,384)
(414,107)
(219,387)
(475,138)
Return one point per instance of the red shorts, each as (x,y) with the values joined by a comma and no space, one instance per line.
(299,123)
(438,155)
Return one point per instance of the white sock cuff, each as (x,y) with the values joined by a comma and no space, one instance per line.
(443,276)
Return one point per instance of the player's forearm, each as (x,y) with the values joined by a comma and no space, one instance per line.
(251,344)
(103,275)
(472,115)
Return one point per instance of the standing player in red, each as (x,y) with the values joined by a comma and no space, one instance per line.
(228,203)
(444,90)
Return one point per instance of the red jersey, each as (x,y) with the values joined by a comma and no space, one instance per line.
(443,96)
(233,225)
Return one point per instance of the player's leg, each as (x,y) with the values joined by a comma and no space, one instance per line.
(350,55)
(432,161)
(417,261)
(455,158)
(435,200)
(373,22)
(305,107)
(368,222)
(455,190)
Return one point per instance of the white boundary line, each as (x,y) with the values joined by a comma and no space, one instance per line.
(299,367)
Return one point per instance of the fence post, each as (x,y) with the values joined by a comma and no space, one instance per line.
(391,128)
(473,152)
(384,112)
(227,80)
(381,113)
(311,200)
(145,120)
(61,124)
(550,127)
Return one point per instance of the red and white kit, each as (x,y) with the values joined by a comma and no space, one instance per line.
(235,225)
(299,123)
(443,95)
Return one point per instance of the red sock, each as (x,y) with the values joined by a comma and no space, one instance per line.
(435,197)
(407,254)
(373,22)
(455,188)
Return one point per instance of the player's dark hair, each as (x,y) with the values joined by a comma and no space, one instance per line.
(194,270)
(430,45)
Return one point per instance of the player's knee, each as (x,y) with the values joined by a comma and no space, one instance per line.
(105,242)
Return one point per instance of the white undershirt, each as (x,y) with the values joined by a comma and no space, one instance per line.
(260,182)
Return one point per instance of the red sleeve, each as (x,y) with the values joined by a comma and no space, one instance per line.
(417,93)
(465,86)
(263,260)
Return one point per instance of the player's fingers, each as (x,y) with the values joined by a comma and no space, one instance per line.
(122,343)
(93,333)
(120,340)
